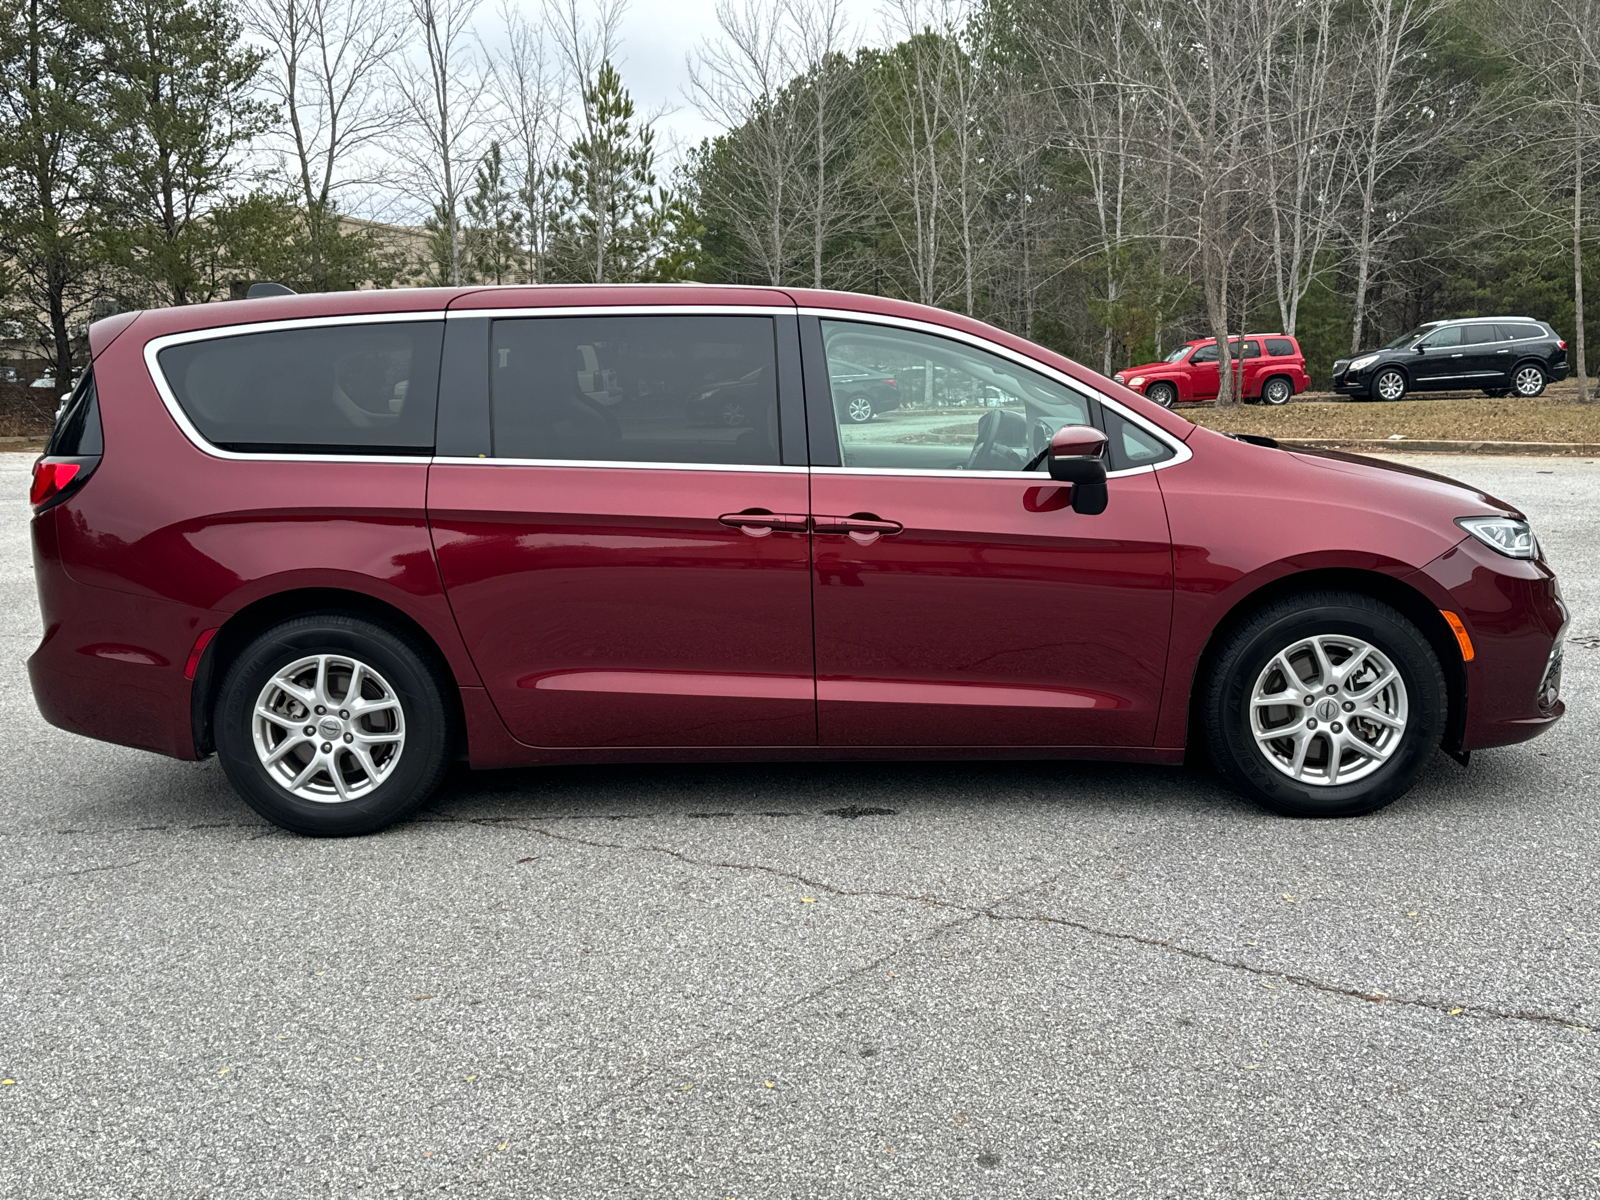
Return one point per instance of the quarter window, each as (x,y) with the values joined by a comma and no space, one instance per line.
(670,389)
(1521,332)
(327,389)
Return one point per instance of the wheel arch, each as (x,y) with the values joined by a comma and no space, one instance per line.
(1396,593)
(1284,375)
(261,614)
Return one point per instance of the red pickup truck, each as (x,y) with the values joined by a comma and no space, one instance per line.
(1269,368)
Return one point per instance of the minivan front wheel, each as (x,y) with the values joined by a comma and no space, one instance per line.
(1326,704)
(331,725)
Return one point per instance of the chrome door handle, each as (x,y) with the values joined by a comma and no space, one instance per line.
(1502,352)
(1455,356)
(863,528)
(761,522)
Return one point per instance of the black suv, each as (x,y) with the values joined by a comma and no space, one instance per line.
(1501,355)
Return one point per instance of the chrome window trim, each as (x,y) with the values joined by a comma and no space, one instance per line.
(155,346)
(1039,476)
(1181,451)
(612,464)
(626,310)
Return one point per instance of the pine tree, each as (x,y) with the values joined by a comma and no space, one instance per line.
(609,177)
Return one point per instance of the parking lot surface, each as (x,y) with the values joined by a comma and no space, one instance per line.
(885,980)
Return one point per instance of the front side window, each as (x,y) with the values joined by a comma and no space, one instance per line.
(326,389)
(1450,335)
(954,407)
(1206,354)
(665,389)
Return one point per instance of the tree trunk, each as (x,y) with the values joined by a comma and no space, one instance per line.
(1577,241)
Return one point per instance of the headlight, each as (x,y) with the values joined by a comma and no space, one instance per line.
(1514,539)
(1362,363)
(1136,381)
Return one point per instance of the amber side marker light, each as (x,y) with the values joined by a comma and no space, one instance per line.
(1460,630)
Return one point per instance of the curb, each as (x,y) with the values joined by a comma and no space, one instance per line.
(1420,446)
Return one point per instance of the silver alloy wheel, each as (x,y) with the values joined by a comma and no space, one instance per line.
(859,409)
(1328,709)
(1163,394)
(733,413)
(328,728)
(1278,391)
(1529,381)
(1391,385)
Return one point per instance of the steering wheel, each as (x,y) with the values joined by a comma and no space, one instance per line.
(986,455)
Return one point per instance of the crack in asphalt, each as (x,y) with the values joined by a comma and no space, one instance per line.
(84,871)
(1309,982)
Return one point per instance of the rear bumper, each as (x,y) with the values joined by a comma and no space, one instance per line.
(111,664)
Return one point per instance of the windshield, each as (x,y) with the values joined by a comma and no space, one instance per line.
(1177,354)
(1411,335)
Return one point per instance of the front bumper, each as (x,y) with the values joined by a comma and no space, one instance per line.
(1514,615)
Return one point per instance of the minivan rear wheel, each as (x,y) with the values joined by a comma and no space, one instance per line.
(332,725)
(1324,704)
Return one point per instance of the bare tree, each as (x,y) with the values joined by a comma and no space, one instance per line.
(739,81)
(1399,126)
(1307,122)
(327,70)
(443,92)
(1205,84)
(531,95)
(822,40)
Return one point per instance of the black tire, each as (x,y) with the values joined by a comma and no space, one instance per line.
(402,665)
(1244,659)
(1163,394)
(1528,380)
(1278,390)
(1381,382)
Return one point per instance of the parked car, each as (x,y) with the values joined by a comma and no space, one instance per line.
(860,393)
(1500,355)
(1267,367)
(343,540)
(729,402)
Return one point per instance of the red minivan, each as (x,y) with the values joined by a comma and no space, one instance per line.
(1266,366)
(344,540)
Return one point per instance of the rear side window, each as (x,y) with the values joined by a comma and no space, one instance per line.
(1279,347)
(1251,350)
(1478,335)
(667,389)
(1521,332)
(77,431)
(327,389)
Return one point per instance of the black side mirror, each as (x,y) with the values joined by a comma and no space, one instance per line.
(1420,349)
(1077,456)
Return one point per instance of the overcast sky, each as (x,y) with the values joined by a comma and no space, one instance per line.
(657,38)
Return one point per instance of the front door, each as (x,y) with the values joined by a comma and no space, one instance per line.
(1204,378)
(630,564)
(1440,362)
(959,600)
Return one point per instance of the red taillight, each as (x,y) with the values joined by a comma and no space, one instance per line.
(892,383)
(1562,344)
(49,478)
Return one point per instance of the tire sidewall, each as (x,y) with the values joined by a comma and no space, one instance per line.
(427,725)
(1241,663)
(1543,382)
(1165,394)
(1286,387)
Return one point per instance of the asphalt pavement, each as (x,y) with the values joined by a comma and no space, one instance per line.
(902,980)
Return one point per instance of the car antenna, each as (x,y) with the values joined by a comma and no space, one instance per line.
(258,290)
